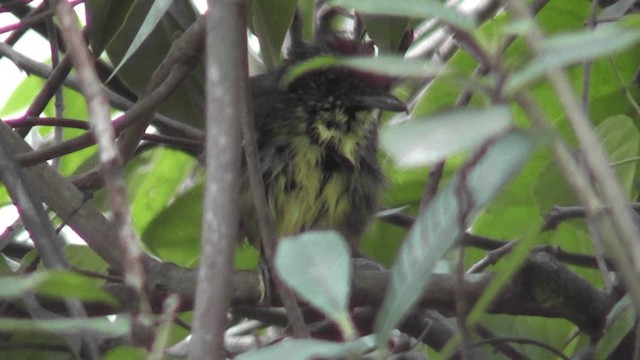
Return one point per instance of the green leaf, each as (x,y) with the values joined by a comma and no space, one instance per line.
(307,349)
(393,66)
(316,265)
(439,226)
(127,353)
(68,284)
(571,48)
(174,234)
(271,20)
(411,9)
(621,138)
(427,141)
(154,179)
(187,102)
(156,12)
(106,18)
(316,63)
(620,321)
(83,257)
(118,327)
(386,32)
(21,96)
(12,287)
(388,65)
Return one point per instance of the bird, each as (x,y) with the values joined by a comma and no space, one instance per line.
(317,140)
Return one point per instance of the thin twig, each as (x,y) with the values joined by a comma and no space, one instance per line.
(559,214)
(110,162)
(119,102)
(623,86)
(491,258)
(52,35)
(38,15)
(592,21)
(502,347)
(68,203)
(433,181)
(36,221)
(140,109)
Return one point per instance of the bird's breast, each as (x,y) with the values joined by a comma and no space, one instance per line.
(328,177)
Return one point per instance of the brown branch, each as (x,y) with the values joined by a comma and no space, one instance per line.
(68,203)
(111,164)
(140,109)
(29,204)
(559,214)
(543,287)
(227,106)
(193,147)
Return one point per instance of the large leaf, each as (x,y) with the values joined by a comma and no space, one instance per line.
(68,284)
(55,283)
(316,265)
(12,287)
(427,141)
(21,96)
(154,179)
(620,137)
(271,20)
(620,320)
(306,349)
(389,65)
(174,234)
(570,48)
(118,327)
(156,12)
(439,226)
(411,9)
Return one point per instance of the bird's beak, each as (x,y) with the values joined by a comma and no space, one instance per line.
(384,102)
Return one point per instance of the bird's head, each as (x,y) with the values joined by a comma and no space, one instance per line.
(342,86)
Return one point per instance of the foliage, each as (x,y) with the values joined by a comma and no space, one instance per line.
(503,234)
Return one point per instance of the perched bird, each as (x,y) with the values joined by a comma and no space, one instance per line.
(317,143)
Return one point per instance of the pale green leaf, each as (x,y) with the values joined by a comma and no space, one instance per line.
(411,9)
(427,141)
(439,225)
(316,265)
(307,349)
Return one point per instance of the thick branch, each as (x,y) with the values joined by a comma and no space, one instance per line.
(543,287)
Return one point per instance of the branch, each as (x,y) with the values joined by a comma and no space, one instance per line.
(117,101)
(227,105)
(543,287)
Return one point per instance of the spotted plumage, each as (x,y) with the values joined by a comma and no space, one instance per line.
(317,142)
